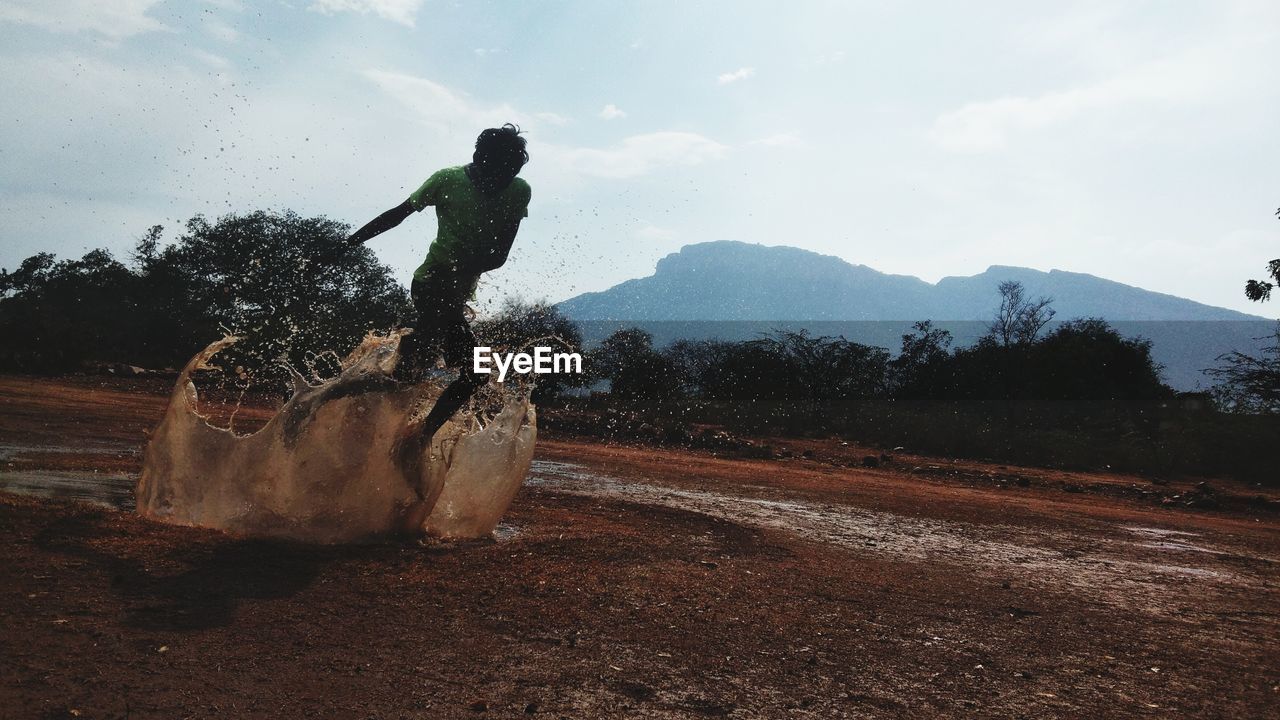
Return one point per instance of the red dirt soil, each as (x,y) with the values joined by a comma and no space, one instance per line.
(637,582)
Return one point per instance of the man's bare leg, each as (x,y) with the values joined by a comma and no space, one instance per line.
(449,402)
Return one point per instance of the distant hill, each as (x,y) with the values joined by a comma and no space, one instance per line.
(728,280)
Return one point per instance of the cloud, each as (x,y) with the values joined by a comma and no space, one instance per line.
(403,12)
(780,140)
(984,126)
(221,30)
(612,112)
(213,60)
(736,75)
(639,155)
(440,107)
(653,234)
(1195,76)
(456,116)
(116,19)
(551,118)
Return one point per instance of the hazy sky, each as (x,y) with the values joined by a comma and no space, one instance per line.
(1139,141)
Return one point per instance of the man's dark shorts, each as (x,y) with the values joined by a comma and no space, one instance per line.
(441,327)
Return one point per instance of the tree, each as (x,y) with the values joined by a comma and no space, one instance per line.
(798,369)
(1260,290)
(693,360)
(920,370)
(639,376)
(519,324)
(1082,359)
(1247,383)
(1019,319)
(1087,359)
(290,284)
(55,314)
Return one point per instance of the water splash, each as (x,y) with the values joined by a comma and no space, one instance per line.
(330,467)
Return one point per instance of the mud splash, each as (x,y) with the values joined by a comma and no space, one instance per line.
(328,466)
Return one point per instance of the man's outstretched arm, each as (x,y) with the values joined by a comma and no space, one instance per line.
(382,223)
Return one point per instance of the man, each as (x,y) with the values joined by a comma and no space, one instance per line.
(479,208)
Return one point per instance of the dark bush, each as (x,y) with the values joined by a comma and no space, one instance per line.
(289,284)
(519,325)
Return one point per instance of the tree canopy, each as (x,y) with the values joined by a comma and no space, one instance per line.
(289,284)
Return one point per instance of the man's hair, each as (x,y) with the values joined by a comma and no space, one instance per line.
(501,148)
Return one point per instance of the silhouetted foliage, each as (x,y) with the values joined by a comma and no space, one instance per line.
(1087,359)
(1082,359)
(289,284)
(54,314)
(638,375)
(1019,319)
(1080,395)
(692,361)
(519,325)
(1260,290)
(795,368)
(1248,383)
(922,369)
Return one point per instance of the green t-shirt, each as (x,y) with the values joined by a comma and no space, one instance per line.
(469,222)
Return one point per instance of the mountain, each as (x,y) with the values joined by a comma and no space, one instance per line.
(728,280)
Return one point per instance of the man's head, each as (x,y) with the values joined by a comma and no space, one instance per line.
(500,152)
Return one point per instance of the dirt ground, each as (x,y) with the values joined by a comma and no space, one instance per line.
(636,582)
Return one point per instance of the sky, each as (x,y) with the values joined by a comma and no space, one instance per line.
(1137,141)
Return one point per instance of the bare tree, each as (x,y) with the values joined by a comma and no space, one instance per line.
(1020,320)
(1249,384)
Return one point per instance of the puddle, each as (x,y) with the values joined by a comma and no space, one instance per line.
(1160,532)
(1167,540)
(1043,557)
(1104,570)
(8,451)
(113,490)
(1182,570)
(505,532)
(1175,547)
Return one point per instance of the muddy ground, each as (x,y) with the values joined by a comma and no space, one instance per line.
(637,582)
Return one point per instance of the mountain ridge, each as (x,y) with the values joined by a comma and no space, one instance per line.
(733,280)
